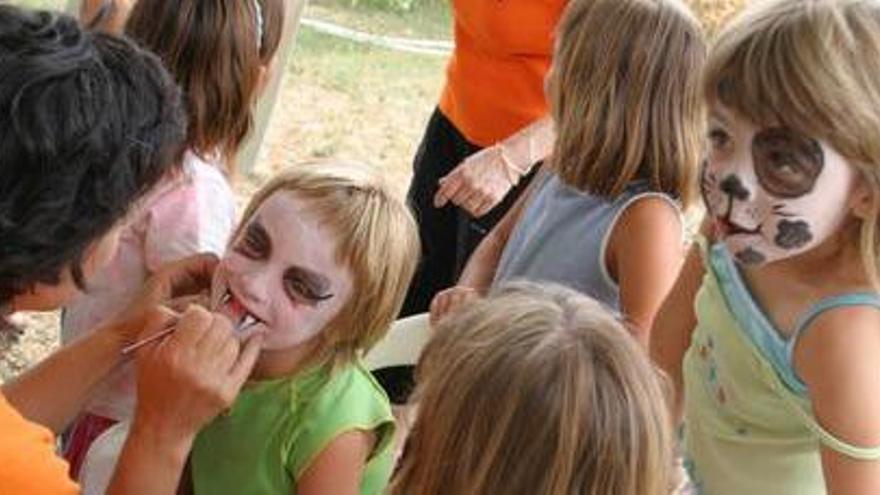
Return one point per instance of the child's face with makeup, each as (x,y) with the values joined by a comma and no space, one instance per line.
(281,270)
(772,192)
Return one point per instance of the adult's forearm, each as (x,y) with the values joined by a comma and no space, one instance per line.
(151,463)
(54,391)
(531,144)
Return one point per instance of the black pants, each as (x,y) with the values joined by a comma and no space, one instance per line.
(449,235)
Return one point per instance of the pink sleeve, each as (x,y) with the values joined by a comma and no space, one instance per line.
(196,215)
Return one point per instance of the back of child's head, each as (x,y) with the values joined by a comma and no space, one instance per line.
(377,240)
(624,94)
(216,51)
(88,123)
(536,389)
(812,66)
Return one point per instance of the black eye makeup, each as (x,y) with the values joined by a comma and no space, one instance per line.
(305,287)
(254,242)
(787,164)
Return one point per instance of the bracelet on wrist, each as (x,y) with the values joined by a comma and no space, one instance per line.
(514,173)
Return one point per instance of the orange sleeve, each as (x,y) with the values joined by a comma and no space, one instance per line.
(28,463)
(495,77)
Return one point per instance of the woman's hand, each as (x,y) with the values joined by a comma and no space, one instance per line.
(188,378)
(184,381)
(479,183)
(189,278)
(449,300)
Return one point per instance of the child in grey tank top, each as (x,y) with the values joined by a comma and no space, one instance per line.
(604,216)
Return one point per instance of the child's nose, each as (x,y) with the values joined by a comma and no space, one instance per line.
(254,286)
(733,187)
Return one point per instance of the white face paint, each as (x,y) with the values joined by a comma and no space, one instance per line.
(281,271)
(772,192)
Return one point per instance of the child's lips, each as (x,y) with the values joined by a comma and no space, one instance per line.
(242,317)
(729,228)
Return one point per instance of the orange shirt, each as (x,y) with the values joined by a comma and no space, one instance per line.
(495,78)
(28,464)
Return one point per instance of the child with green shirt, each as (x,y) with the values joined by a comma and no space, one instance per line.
(320,263)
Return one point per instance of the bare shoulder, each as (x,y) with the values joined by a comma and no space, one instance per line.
(647,224)
(836,357)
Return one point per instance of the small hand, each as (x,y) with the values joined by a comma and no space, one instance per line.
(479,183)
(451,299)
(187,279)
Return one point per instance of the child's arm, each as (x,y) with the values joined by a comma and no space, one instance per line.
(479,271)
(338,469)
(644,255)
(675,321)
(837,359)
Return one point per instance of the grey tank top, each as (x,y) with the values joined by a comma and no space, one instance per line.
(562,235)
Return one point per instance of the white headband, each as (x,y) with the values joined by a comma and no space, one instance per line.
(258,21)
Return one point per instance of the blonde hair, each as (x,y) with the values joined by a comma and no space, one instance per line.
(814,67)
(624,93)
(377,239)
(537,389)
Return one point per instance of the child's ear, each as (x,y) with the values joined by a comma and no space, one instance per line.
(862,200)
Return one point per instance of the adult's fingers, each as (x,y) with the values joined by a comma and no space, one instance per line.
(467,199)
(193,326)
(179,304)
(449,187)
(242,368)
(184,277)
(484,207)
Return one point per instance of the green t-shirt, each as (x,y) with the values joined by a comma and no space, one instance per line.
(276,429)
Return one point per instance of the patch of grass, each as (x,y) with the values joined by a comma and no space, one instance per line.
(42,4)
(427,20)
(361,69)
(355,101)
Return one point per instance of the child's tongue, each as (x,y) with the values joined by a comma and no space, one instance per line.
(236,310)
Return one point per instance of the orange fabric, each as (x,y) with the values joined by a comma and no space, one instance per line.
(495,78)
(28,464)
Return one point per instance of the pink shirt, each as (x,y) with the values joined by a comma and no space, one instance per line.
(191,213)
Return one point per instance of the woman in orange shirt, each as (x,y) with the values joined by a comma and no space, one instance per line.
(89,123)
(493,101)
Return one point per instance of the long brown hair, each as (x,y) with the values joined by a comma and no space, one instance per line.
(536,390)
(624,94)
(215,50)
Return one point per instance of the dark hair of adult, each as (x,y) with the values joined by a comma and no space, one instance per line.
(88,123)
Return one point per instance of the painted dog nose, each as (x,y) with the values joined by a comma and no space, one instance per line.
(732,186)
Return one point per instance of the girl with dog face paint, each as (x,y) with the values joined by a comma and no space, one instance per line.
(772,193)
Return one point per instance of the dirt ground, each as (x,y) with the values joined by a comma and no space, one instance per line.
(321,115)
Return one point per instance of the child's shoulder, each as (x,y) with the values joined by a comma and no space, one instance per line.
(836,357)
(841,327)
(349,385)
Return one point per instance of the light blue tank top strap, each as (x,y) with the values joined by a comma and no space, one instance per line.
(760,330)
(777,351)
(827,304)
